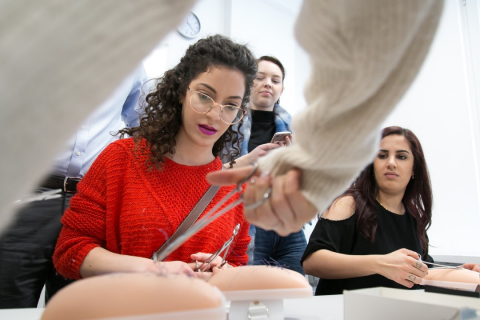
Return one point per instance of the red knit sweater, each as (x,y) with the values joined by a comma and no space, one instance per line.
(127,209)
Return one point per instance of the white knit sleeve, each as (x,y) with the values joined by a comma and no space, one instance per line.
(59,60)
(364,56)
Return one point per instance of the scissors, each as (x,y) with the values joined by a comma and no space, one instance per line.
(440,266)
(226,246)
(212,215)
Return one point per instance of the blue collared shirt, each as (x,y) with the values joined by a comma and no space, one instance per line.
(119,111)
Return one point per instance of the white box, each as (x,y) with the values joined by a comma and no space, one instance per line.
(388,303)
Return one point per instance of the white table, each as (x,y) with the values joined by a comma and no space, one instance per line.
(318,308)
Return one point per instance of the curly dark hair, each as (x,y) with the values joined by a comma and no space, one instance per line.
(161,119)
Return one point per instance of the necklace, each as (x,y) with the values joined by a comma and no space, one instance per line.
(400,214)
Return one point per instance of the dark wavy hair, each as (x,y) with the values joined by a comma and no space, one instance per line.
(278,63)
(417,199)
(161,119)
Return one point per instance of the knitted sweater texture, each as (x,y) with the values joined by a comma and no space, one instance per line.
(364,56)
(127,209)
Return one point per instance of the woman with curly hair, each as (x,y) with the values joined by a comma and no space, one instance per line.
(141,188)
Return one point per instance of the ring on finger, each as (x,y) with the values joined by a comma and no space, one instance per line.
(257,204)
(412,277)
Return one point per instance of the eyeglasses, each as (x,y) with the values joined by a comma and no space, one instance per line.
(201,103)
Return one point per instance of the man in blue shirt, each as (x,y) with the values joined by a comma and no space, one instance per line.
(27,246)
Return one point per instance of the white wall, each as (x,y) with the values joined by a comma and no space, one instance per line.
(173,46)
(245,21)
(437,108)
(267,26)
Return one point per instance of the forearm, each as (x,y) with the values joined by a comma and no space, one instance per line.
(331,265)
(101,261)
(241,162)
(24,116)
(351,91)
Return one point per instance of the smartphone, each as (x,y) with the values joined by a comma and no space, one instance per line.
(280,136)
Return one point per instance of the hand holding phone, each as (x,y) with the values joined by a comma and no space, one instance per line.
(280,137)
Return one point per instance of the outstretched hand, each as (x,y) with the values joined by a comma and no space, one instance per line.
(403,267)
(285,211)
(206,273)
(256,153)
(201,257)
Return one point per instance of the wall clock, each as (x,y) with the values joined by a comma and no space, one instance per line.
(190,27)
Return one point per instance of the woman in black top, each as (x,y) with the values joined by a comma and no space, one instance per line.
(375,232)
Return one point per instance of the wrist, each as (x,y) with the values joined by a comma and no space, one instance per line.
(148,265)
(376,262)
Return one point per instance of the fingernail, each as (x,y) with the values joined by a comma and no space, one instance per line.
(265,174)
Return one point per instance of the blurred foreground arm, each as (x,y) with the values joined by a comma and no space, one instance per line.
(364,56)
(69,58)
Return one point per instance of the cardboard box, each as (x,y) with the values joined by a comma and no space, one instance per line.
(388,303)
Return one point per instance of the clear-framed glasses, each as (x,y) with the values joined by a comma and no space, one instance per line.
(201,103)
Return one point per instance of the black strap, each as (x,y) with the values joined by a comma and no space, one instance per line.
(192,216)
(67,184)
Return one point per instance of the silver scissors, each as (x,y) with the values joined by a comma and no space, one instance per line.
(212,215)
(226,246)
(440,266)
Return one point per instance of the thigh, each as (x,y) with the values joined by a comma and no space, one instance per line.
(264,246)
(26,250)
(290,250)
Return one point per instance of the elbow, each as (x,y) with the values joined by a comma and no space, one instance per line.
(65,264)
(309,266)
(313,265)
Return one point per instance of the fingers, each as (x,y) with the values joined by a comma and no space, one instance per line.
(414,264)
(200,256)
(409,279)
(231,176)
(472,266)
(286,210)
(174,267)
(281,206)
(289,140)
(268,146)
(417,265)
(411,253)
(263,216)
(404,267)
(304,210)
(187,270)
